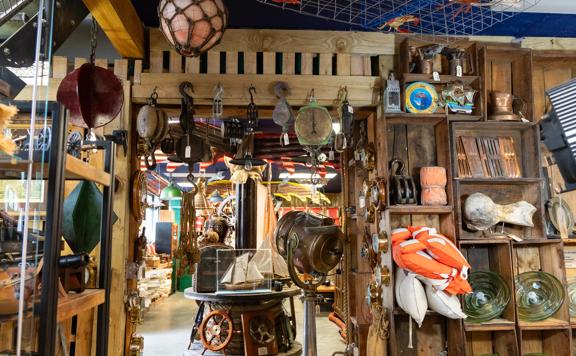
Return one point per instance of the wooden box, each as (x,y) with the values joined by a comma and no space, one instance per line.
(492,257)
(507,69)
(420,142)
(546,257)
(503,193)
(547,342)
(430,339)
(501,342)
(526,138)
(441,64)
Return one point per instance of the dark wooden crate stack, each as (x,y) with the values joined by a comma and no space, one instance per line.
(431,139)
(509,69)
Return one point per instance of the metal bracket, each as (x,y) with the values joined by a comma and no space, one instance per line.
(119,137)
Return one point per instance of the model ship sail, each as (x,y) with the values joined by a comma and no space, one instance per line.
(241,272)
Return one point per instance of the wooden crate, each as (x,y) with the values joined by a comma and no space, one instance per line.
(546,257)
(503,193)
(430,339)
(547,342)
(502,343)
(420,142)
(492,257)
(509,70)
(526,145)
(441,65)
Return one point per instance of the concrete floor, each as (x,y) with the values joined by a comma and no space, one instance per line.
(167,325)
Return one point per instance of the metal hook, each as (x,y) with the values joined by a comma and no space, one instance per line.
(343,94)
(190,179)
(252,91)
(153,97)
(184,87)
(219,91)
(311,95)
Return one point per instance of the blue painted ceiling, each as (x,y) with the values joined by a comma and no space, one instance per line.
(252,14)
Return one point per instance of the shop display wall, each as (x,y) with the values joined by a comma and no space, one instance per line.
(328,61)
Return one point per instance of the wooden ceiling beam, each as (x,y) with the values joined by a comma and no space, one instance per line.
(121,23)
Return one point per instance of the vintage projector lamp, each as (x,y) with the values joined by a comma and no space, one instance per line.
(312,246)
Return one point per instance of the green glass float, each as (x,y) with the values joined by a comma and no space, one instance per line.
(539,295)
(82,216)
(572,296)
(490,296)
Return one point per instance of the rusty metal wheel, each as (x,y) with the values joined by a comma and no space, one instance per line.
(216,330)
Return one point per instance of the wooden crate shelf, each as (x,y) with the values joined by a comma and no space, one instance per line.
(75,169)
(485,241)
(444,78)
(420,209)
(497,324)
(547,324)
(536,242)
(487,342)
(495,258)
(508,70)
(503,194)
(441,65)
(547,258)
(526,138)
(499,180)
(430,339)
(547,342)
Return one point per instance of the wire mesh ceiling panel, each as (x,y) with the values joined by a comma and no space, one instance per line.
(424,17)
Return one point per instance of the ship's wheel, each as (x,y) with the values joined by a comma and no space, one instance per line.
(262,330)
(216,331)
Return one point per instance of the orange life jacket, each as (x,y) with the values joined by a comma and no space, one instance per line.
(433,257)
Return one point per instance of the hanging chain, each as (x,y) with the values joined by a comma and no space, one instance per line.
(93,40)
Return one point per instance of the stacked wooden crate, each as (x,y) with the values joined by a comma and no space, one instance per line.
(156,284)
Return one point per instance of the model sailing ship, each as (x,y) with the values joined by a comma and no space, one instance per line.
(243,274)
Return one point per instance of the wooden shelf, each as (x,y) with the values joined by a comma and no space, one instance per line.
(569,241)
(444,78)
(491,125)
(419,209)
(74,304)
(76,169)
(498,180)
(399,311)
(547,324)
(464,117)
(497,324)
(405,118)
(485,241)
(537,242)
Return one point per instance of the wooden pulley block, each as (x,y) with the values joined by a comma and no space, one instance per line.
(216,331)
(402,187)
